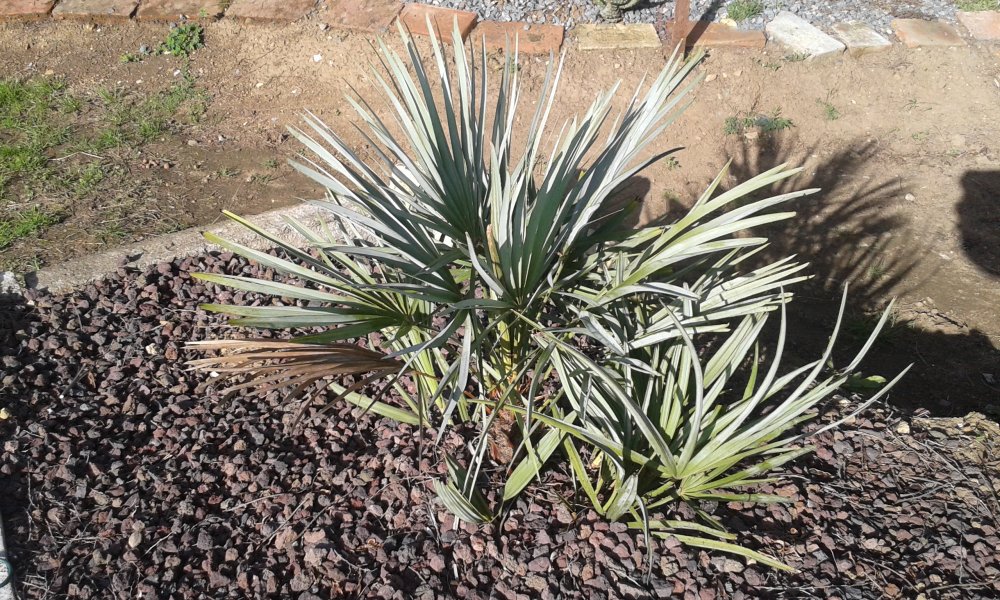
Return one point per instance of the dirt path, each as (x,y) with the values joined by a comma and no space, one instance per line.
(905,146)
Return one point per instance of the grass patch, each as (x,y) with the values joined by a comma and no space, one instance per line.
(32,121)
(134,121)
(60,150)
(740,124)
(25,224)
(743,10)
(87,179)
(977,5)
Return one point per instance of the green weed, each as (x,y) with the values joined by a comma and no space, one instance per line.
(977,5)
(737,125)
(742,10)
(740,124)
(830,111)
(25,224)
(184,39)
(88,178)
(774,122)
(797,56)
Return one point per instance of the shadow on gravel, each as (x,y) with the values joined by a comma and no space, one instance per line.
(14,316)
(853,231)
(979,219)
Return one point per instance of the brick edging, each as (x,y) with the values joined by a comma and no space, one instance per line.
(377,16)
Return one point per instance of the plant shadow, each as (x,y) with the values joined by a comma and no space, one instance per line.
(853,232)
(979,219)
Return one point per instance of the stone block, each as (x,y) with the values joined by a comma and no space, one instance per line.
(24,9)
(983,25)
(617,37)
(269,10)
(174,10)
(800,37)
(371,16)
(443,20)
(917,33)
(860,39)
(95,10)
(530,38)
(716,35)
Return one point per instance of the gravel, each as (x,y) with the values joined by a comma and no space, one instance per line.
(124,475)
(877,13)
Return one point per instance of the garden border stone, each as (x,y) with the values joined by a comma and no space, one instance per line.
(375,17)
(619,36)
(83,270)
(415,17)
(95,10)
(917,33)
(263,10)
(800,36)
(983,25)
(26,10)
(860,39)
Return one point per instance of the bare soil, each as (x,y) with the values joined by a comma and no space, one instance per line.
(905,146)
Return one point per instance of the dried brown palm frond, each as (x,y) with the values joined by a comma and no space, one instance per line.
(273,365)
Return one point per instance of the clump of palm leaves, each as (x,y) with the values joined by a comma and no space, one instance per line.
(510,296)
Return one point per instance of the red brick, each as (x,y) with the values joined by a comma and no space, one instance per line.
(172,10)
(915,33)
(716,35)
(530,38)
(414,16)
(269,10)
(24,9)
(372,16)
(95,10)
(983,25)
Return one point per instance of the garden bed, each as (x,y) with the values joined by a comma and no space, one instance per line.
(125,473)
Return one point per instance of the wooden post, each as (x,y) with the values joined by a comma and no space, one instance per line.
(682,24)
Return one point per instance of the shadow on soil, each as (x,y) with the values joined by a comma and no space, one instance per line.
(860,239)
(979,219)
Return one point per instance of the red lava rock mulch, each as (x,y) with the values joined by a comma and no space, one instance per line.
(126,476)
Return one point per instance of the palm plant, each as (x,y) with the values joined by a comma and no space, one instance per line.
(471,277)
